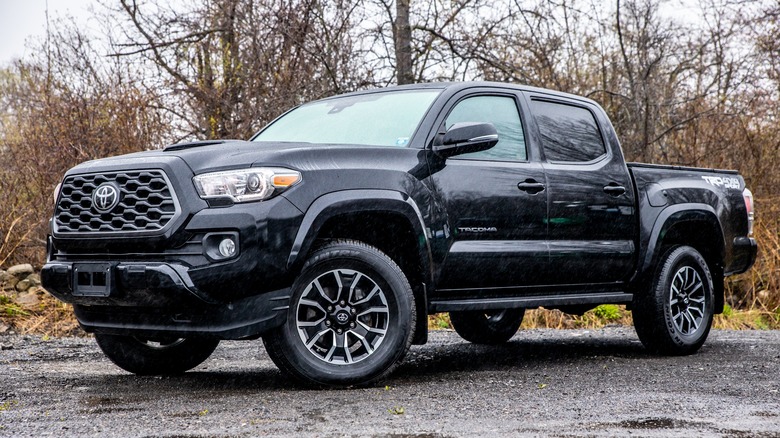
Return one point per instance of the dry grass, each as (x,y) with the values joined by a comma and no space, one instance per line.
(599,317)
(753,319)
(759,288)
(555,319)
(47,317)
(608,315)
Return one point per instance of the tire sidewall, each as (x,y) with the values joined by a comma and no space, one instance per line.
(133,355)
(479,328)
(399,329)
(677,259)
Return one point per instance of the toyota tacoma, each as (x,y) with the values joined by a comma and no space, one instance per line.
(337,229)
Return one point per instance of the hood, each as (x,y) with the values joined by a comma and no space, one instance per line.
(204,157)
(214,156)
(200,157)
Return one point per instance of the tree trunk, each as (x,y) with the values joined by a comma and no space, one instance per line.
(403,43)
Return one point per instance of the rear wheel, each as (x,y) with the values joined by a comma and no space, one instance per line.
(487,326)
(155,356)
(675,315)
(351,318)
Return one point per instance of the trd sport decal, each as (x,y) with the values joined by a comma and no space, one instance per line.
(729,183)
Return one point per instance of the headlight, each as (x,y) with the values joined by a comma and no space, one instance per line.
(57,193)
(246,184)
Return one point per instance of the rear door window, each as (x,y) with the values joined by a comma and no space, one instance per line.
(568,133)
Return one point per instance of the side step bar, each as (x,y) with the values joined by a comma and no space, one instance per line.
(529,301)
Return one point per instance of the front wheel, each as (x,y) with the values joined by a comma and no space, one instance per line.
(487,326)
(675,314)
(155,356)
(351,318)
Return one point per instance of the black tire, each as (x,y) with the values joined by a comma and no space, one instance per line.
(487,326)
(159,357)
(674,316)
(346,290)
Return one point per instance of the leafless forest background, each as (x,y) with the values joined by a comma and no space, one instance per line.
(692,84)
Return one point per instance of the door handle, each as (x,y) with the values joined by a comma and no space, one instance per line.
(531,186)
(613,189)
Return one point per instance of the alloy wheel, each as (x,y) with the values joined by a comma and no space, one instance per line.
(687,300)
(342,316)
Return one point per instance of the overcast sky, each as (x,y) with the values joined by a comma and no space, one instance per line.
(23,19)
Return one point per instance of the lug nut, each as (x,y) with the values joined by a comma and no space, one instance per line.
(338,331)
(343,302)
(330,308)
(327,323)
(351,325)
(353,310)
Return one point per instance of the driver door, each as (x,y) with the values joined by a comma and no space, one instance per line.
(496,202)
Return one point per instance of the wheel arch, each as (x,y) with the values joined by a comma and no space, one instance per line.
(694,225)
(402,236)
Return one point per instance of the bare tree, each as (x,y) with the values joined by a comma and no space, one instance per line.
(403,43)
(62,107)
(235,64)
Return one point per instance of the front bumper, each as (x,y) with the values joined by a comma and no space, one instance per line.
(160,299)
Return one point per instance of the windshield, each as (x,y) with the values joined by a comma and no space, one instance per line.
(376,119)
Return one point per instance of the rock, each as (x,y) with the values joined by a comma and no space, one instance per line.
(23,285)
(37,290)
(9,283)
(21,271)
(35,279)
(28,300)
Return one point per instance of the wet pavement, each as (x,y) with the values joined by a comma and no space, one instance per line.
(542,382)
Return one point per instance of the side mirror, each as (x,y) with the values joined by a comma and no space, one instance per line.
(466,137)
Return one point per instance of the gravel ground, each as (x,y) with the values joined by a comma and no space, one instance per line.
(543,382)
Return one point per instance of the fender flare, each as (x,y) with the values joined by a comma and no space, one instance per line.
(668,218)
(359,201)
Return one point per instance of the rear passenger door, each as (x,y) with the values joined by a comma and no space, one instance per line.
(591,200)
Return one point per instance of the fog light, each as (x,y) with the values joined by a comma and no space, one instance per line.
(227,247)
(221,246)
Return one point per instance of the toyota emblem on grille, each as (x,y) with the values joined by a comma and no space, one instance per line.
(105,197)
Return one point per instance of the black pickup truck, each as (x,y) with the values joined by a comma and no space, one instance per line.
(339,227)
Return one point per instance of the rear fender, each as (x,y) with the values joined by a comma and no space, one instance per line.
(697,217)
(675,215)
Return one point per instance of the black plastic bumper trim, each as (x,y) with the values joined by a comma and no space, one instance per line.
(245,318)
(136,284)
(745,252)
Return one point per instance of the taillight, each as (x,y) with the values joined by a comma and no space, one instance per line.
(748,196)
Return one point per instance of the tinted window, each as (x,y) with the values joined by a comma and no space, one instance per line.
(569,133)
(502,113)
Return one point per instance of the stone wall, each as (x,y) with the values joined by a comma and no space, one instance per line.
(22,285)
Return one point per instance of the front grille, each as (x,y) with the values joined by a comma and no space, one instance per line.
(146,203)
